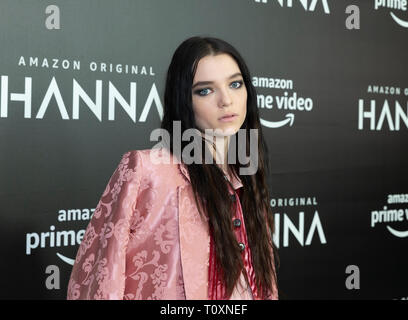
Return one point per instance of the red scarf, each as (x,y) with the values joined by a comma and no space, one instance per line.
(216,286)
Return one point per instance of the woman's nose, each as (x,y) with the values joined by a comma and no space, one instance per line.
(225,98)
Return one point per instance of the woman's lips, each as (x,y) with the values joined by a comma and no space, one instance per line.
(228,119)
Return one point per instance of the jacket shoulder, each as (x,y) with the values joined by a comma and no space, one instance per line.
(158,164)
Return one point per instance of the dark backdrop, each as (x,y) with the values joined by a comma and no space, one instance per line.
(57,152)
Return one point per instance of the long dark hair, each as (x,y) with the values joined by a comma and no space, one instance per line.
(207,180)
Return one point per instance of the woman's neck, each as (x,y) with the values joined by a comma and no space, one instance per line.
(218,146)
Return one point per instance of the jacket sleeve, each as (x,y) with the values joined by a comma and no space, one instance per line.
(99,268)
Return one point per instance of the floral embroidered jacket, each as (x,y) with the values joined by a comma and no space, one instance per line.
(146,239)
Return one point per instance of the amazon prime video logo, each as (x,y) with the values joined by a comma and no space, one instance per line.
(395,5)
(392,215)
(277,108)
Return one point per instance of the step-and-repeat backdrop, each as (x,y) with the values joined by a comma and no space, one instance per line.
(82,83)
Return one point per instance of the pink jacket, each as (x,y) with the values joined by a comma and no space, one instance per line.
(146,239)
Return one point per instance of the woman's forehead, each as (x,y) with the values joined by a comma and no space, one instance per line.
(216,68)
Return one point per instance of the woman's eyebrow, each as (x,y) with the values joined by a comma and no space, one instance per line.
(211,82)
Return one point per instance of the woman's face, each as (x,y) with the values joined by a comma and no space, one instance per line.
(223,93)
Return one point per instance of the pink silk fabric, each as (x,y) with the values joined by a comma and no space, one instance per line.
(146,239)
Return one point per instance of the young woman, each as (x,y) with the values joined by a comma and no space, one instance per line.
(188,229)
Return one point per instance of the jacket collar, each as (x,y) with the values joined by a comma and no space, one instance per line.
(235,181)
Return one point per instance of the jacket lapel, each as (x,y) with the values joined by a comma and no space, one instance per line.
(194,246)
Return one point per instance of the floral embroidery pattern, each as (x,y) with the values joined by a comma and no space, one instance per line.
(87,241)
(170,228)
(106,233)
(73,289)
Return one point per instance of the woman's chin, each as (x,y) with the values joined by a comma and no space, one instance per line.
(225,132)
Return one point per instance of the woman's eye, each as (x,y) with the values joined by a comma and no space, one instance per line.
(239,84)
(202,92)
